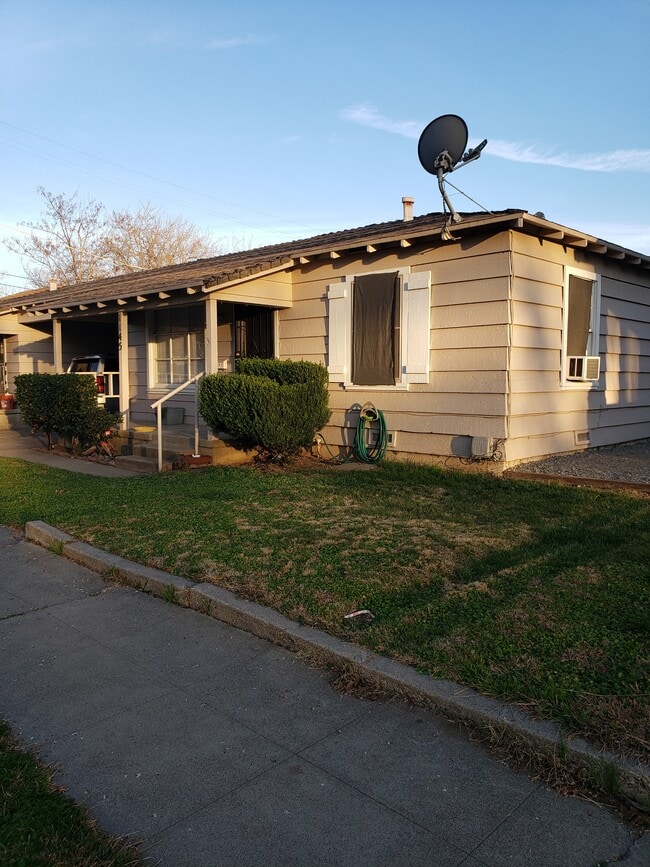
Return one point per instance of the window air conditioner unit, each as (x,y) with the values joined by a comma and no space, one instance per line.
(583,368)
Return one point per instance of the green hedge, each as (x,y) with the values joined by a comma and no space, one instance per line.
(63,403)
(276,406)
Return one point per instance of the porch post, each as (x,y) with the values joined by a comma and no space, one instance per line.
(57,347)
(211,336)
(123,366)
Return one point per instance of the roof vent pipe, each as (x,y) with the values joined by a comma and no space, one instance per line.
(408,203)
(53,286)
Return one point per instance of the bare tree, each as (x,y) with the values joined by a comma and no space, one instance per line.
(76,241)
(63,244)
(148,238)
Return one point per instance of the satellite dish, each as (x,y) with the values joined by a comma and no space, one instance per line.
(446,135)
(441,149)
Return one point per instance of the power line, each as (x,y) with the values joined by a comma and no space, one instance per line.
(18,228)
(103,176)
(157,179)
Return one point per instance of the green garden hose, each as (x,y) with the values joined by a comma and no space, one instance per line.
(375,453)
(360,451)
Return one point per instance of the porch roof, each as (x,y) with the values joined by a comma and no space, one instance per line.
(209,275)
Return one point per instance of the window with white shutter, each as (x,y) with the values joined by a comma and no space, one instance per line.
(378,329)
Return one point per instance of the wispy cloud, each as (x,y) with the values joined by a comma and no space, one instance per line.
(608,161)
(367,115)
(237,41)
(637,160)
(164,37)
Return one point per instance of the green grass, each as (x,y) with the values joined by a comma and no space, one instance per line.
(530,593)
(39,825)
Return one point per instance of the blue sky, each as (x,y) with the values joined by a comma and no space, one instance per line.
(263,121)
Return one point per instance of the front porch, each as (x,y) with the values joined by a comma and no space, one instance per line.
(137,448)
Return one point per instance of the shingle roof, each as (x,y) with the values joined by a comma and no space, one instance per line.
(209,273)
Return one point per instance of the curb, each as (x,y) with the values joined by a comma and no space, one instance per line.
(492,719)
(578,481)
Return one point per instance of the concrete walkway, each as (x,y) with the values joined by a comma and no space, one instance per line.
(26,446)
(217,748)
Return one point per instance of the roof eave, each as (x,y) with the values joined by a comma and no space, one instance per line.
(547,230)
(373,240)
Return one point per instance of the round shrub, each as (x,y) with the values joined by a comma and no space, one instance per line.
(276,406)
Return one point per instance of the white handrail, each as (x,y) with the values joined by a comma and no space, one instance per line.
(158,407)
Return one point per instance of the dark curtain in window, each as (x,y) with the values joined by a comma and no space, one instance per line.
(373,328)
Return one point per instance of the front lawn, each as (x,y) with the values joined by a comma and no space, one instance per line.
(527,592)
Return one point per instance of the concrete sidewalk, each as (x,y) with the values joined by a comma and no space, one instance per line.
(22,444)
(217,748)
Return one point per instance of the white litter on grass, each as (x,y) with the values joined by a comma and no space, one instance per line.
(363,613)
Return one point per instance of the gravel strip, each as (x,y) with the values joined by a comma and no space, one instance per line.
(629,462)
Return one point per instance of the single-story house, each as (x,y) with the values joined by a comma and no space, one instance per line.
(505,338)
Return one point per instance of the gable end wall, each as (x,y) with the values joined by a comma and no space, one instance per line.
(545,417)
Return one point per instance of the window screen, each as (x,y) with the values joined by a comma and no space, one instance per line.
(579,316)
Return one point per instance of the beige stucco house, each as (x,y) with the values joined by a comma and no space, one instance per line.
(512,339)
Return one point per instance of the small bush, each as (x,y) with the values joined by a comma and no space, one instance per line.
(65,404)
(274,405)
(36,395)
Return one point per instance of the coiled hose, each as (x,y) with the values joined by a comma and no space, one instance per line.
(377,451)
(360,450)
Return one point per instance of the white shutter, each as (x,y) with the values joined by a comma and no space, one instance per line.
(417,307)
(338,331)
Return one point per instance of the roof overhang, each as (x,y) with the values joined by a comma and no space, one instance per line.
(179,284)
(227,282)
(546,230)
(138,300)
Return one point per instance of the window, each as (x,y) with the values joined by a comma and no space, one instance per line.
(378,329)
(178,344)
(580,361)
(375,329)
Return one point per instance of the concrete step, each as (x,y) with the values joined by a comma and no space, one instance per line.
(144,443)
(11,419)
(141,446)
(140,464)
(148,450)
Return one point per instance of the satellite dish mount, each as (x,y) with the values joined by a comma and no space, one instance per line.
(441,150)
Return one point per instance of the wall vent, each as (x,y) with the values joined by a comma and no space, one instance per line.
(582,437)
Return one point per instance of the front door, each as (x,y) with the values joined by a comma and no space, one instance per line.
(253,331)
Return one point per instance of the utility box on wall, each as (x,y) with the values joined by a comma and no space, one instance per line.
(482,447)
